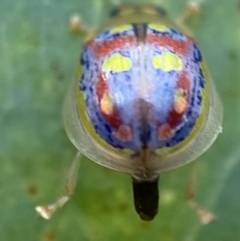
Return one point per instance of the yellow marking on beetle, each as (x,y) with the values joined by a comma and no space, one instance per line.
(180,101)
(167,61)
(106,104)
(121,28)
(117,63)
(158,27)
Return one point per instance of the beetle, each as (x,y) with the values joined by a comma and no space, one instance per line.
(143,102)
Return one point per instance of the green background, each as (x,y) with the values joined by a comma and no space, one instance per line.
(39,58)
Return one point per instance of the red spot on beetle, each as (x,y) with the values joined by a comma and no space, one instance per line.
(124,133)
(105,48)
(183,81)
(101,86)
(178,46)
(174,118)
(165,131)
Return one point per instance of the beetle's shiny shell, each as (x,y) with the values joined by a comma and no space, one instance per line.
(144,99)
(143,93)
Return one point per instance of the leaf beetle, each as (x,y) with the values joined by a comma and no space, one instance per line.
(143,102)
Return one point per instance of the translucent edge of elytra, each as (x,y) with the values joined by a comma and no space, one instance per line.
(85,145)
(156,164)
(203,140)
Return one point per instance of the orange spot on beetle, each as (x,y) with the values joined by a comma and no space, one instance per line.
(106,104)
(165,131)
(124,133)
(180,102)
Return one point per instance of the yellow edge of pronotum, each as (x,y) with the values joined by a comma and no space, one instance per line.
(201,120)
(87,125)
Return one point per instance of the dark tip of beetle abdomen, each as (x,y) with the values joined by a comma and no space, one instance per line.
(146,197)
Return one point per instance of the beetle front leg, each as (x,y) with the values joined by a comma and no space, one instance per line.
(192,8)
(46,211)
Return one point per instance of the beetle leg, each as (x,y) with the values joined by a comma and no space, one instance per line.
(77,25)
(204,215)
(46,211)
(192,182)
(192,8)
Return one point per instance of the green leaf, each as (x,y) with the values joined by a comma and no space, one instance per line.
(39,58)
